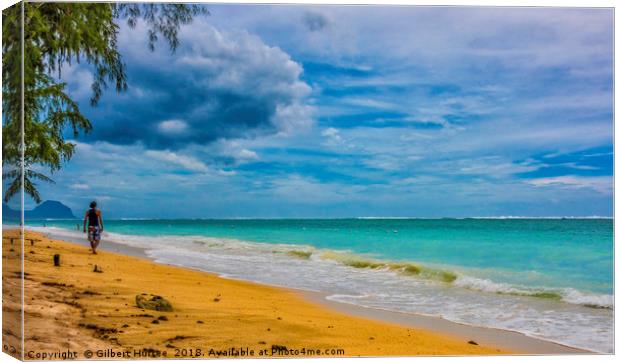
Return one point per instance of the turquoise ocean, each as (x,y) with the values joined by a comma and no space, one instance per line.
(547,278)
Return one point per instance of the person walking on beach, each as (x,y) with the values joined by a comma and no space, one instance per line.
(95,225)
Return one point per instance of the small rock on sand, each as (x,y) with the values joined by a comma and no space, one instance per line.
(154,302)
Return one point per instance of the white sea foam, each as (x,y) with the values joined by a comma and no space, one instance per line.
(568,295)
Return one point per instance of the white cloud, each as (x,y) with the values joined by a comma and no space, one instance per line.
(369,103)
(172,127)
(332,134)
(293,118)
(234,151)
(240,63)
(78,186)
(79,81)
(602,184)
(493,167)
(187,162)
(226,173)
(246,154)
(299,188)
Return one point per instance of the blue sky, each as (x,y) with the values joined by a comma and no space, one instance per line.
(343,111)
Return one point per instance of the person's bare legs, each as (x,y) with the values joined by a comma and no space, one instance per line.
(93,246)
(93,239)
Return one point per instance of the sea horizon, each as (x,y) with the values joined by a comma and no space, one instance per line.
(502,217)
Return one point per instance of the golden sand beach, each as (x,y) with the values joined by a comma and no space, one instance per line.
(74,308)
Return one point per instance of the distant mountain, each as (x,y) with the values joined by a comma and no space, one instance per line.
(49,209)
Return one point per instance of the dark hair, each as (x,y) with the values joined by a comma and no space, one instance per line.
(93,204)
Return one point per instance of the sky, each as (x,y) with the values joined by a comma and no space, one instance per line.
(350,111)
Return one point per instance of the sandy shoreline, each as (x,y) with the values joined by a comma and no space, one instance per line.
(210,312)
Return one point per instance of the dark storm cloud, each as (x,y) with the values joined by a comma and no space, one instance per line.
(217,85)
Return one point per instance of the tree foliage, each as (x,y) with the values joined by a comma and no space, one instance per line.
(55,35)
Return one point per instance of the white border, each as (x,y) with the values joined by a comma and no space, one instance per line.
(508,3)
